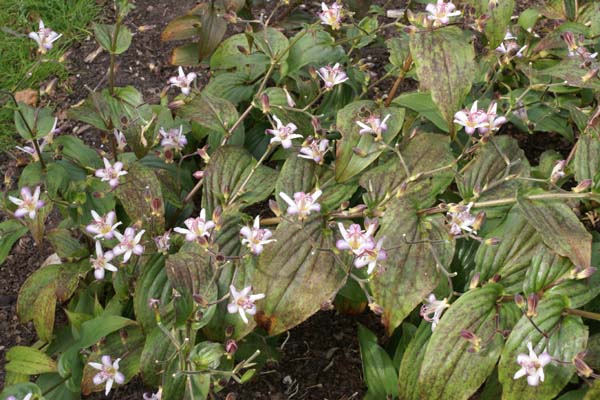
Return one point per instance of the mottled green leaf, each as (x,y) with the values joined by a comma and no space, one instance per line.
(157,350)
(65,245)
(313,48)
(411,363)
(444,60)
(586,162)
(28,360)
(422,103)
(10,231)
(569,70)
(546,268)
(448,370)
(499,13)
(209,111)
(380,375)
(151,284)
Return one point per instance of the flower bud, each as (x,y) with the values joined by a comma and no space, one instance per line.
(230,17)
(174,105)
(491,241)
(216,217)
(473,339)
(496,278)
(532,303)
(376,308)
(147,194)
(265,103)
(153,303)
(475,281)
(203,154)
(591,74)
(359,152)
(583,186)
(274,207)
(479,220)
(231,347)
(316,124)
(520,301)
(586,273)
(313,73)
(169,156)
(229,331)
(583,369)
(156,207)
(198,174)
(401,189)
(198,299)
(288,98)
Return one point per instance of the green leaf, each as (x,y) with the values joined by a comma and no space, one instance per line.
(21,390)
(444,60)
(519,243)
(411,363)
(151,284)
(211,112)
(546,268)
(296,275)
(587,157)
(410,272)
(40,292)
(487,170)
(448,370)
(228,169)
(11,230)
(347,163)
(181,28)
(65,245)
(301,175)
(579,291)
(313,48)
(33,121)
(594,392)
(139,184)
(422,103)
(105,36)
(228,55)
(379,372)
(564,344)
(273,43)
(499,20)
(559,228)
(569,70)
(29,361)
(73,148)
(528,18)
(423,153)
(157,350)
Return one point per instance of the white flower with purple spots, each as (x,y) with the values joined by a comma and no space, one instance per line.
(302,204)
(532,365)
(111,173)
(101,263)
(370,256)
(104,226)
(129,244)
(331,15)
(256,237)
(441,12)
(109,373)
(29,203)
(242,302)
(472,119)
(283,134)
(183,81)
(196,227)
(332,75)
(374,125)
(44,37)
(315,150)
(432,310)
(173,139)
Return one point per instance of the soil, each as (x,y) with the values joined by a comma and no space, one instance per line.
(321,358)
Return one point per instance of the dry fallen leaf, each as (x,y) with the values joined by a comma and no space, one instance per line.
(27,96)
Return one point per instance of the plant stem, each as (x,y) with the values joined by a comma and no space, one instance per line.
(584,314)
(405,67)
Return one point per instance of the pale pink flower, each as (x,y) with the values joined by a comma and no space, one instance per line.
(44,37)
(558,172)
(29,203)
(102,262)
(493,121)
(109,373)
(173,139)
(460,219)
(242,302)
(120,139)
(154,396)
(355,239)
(331,15)
(332,75)
(532,365)
(163,242)
(183,81)
(283,133)
(196,227)
(441,12)
(255,238)
(315,150)
(471,119)
(103,227)
(303,204)
(129,243)
(288,98)
(111,173)
(370,256)
(432,310)
(374,125)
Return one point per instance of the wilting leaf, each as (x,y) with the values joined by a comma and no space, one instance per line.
(410,271)
(227,171)
(559,228)
(546,267)
(139,184)
(380,375)
(412,361)
(347,163)
(181,28)
(40,292)
(565,342)
(29,361)
(423,153)
(301,175)
(296,274)
(488,168)
(519,242)
(10,231)
(586,162)
(496,25)
(126,345)
(445,66)
(448,370)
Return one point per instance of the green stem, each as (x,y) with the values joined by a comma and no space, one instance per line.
(584,314)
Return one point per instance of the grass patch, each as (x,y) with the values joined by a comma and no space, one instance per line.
(18,69)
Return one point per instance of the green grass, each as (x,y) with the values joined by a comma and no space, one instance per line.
(18,55)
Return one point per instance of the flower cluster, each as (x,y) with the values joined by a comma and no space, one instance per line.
(362,244)
(476,119)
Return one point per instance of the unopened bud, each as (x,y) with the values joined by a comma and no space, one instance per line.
(474,281)
(583,186)
(491,241)
(156,207)
(153,303)
(198,174)
(586,273)
(591,74)
(229,331)
(402,189)
(520,301)
(359,152)
(479,220)
(174,105)
(316,124)
(473,339)
(274,207)
(230,17)
(376,308)
(231,396)
(216,217)
(265,103)
(201,301)
(231,347)
(203,153)
(124,336)
(496,278)
(288,98)
(313,73)
(583,369)
(147,194)
(169,156)
(532,303)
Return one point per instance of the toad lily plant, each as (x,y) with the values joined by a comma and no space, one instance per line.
(367,160)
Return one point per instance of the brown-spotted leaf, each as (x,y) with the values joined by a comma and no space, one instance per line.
(559,228)
(445,66)
(190,270)
(139,184)
(410,270)
(296,275)
(181,28)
